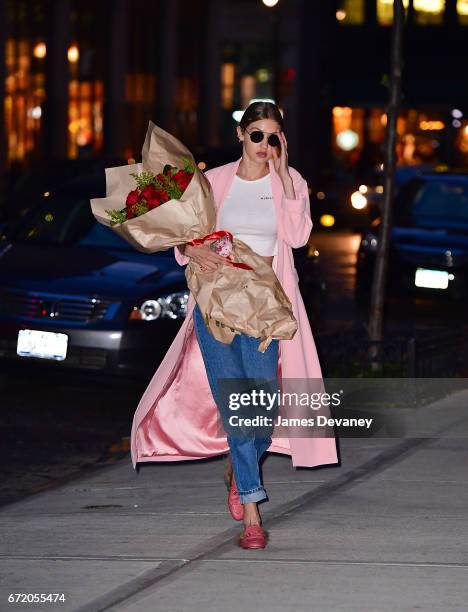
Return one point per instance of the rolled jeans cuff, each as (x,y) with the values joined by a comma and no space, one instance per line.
(252,496)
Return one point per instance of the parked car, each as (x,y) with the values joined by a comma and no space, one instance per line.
(74,295)
(44,178)
(429,241)
(366,199)
(328,206)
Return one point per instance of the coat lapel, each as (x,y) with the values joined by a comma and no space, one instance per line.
(277,190)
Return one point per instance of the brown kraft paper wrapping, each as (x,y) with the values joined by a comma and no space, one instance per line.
(172,223)
(233,300)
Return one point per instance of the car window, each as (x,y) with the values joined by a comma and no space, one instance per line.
(68,221)
(437,203)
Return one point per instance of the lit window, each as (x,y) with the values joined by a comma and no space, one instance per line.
(24,98)
(227,85)
(350,12)
(462,10)
(385,11)
(429,12)
(347,130)
(247,89)
(85,112)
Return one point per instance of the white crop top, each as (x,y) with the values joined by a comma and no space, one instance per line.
(249,214)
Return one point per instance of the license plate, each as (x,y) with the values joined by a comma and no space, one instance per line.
(42,344)
(432,279)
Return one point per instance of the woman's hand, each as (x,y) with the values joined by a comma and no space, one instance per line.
(280,163)
(205,257)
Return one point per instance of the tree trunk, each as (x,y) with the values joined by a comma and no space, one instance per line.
(375,327)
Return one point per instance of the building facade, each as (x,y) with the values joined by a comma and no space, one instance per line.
(82,78)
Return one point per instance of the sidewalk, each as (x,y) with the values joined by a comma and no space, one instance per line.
(385,531)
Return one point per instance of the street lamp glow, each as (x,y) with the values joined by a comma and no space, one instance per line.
(40,50)
(270,3)
(431,125)
(347,140)
(261,100)
(263,75)
(73,54)
(327,220)
(358,200)
(237,115)
(428,6)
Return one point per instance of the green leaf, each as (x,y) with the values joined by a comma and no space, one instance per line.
(189,165)
(117,216)
(143,179)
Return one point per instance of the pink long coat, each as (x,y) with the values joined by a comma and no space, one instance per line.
(177,417)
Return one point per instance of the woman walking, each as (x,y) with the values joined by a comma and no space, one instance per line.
(264,202)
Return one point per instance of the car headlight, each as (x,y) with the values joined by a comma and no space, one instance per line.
(370,242)
(172,306)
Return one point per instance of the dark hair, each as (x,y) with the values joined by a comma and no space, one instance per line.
(261,110)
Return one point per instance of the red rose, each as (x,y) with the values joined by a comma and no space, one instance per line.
(162,195)
(182,179)
(130,212)
(132,198)
(179,175)
(149,192)
(153,203)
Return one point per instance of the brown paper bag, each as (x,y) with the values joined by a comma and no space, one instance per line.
(233,300)
(172,223)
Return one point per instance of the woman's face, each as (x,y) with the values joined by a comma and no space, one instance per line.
(259,152)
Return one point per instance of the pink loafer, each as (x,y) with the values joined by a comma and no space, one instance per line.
(254,537)
(234,504)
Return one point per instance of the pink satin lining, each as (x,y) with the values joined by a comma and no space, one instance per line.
(187,422)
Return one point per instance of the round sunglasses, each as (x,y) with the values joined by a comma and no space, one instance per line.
(258,135)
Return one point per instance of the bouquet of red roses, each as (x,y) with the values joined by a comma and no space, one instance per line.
(152,190)
(160,203)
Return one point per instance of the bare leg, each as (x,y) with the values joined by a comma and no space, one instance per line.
(228,472)
(251,514)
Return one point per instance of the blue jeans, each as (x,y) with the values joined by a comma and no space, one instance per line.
(241,360)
